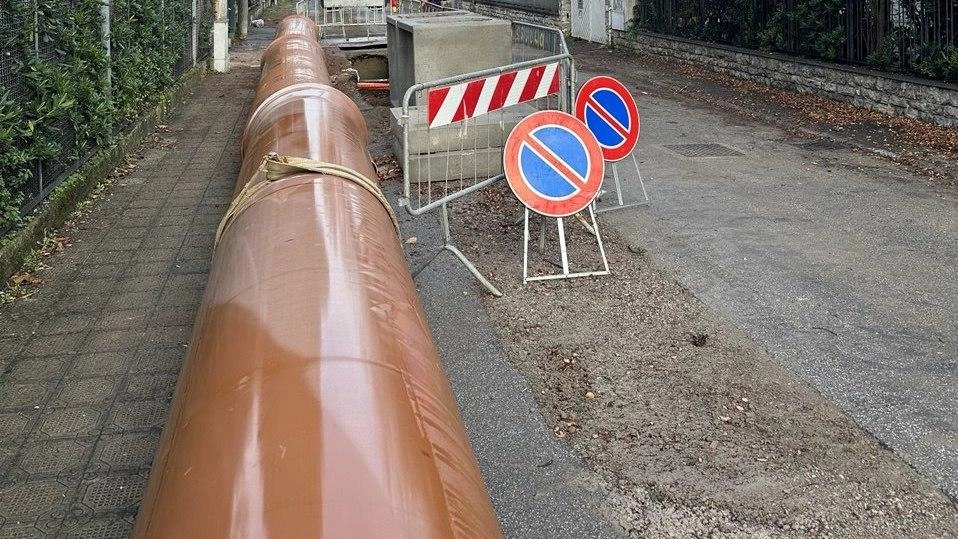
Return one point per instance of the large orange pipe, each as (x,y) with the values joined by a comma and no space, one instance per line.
(312,402)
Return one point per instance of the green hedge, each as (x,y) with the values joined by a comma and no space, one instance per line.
(55,101)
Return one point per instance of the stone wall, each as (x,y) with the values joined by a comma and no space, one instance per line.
(931,101)
(502,11)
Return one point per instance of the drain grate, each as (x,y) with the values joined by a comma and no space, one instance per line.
(703,150)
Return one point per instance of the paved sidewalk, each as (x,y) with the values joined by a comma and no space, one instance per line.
(840,263)
(90,361)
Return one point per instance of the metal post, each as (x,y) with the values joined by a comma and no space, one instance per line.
(242,19)
(196,33)
(105,43)
(221,38)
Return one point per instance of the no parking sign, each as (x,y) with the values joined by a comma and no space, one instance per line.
(553,164)
(608,109)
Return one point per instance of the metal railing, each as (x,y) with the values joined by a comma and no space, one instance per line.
(352,21)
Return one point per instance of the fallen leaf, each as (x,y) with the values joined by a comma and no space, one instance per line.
(22,278)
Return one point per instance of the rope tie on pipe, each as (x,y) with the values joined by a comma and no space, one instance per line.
(275,168)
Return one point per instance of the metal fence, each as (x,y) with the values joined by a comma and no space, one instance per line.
(543,7)
(919,36)
(47,41)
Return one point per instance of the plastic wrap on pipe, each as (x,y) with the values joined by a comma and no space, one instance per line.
(312,402)
(311,121)
(285,74)
(285,47)
(298,24)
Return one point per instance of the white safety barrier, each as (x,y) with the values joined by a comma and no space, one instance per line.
(454,129)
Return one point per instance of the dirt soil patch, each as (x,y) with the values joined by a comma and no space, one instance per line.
(694,430)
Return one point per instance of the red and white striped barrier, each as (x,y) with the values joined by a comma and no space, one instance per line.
(450,104)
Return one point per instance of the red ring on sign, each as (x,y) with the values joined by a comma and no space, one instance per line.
(602,82)
(520,185)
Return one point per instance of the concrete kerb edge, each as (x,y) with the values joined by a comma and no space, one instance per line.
(64,200)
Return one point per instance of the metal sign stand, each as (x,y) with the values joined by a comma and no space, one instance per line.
(448,246)
(563,250)
(620,201)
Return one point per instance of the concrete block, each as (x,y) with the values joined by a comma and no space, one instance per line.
(488,130)
(424,47)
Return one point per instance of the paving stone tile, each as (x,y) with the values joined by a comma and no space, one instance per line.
(14,425)
(77,286)
(193,281)
(101,271)
(89,391)
(38,368)
(48,345)
(121,258)
(178,297)
(173,316)
(21,530)
(104,340)
(119,243)
(162,242)
(192,266)
(81,303)
(65,323)
(10,344)
(125,318)
(156,385)
(70,422)
(166,228)
(139,214)
(211,219)
(130,231)
(55,457)
(156,255)
(113,493)
(160,359)
(184,212)
(104,527)
(139,415)
(28,500)
(141,283)
(7,455)
(14,395)
(148,267)
(144,202)
(102,363)
(128,451)
(131,300)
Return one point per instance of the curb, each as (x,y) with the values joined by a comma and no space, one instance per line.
(64,199)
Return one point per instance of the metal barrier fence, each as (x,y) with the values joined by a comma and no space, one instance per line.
(352,21)
(445,161)
(454,129)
